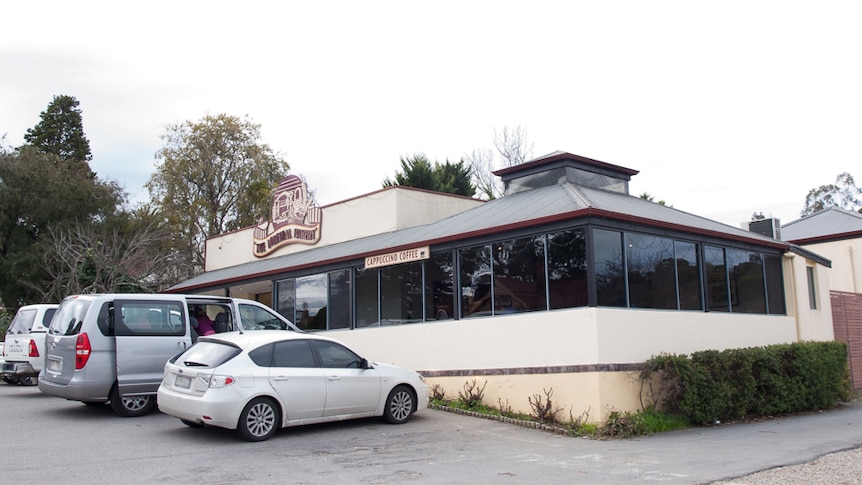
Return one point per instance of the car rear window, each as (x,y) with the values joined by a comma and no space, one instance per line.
(22,322)
(207,354)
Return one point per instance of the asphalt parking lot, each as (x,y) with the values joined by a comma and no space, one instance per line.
(50,440)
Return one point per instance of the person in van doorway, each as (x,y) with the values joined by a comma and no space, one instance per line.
(205,325)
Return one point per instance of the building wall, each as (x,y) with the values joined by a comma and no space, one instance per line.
(585,355)
(846,257)
(383,211)
(811,324)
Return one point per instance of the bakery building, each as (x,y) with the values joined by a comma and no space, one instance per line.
(565,283)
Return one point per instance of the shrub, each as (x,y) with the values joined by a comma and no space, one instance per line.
(714,386)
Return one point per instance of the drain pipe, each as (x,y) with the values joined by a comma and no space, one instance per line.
(852,269)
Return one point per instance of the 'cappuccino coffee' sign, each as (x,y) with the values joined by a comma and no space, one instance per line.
(295,218)
(398,257)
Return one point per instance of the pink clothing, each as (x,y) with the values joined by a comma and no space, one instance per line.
(205,325)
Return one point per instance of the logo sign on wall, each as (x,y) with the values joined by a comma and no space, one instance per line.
(295,218)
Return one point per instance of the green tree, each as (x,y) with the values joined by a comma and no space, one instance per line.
(212,176)
(39,193)
(418,172)
(649,197)
(61,131)
(843,194)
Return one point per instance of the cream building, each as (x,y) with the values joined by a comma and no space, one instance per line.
(567,283)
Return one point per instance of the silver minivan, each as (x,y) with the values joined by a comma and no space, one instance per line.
(112,348)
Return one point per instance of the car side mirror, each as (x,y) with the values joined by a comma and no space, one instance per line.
(363,364)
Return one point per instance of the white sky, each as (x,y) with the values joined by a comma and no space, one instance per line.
(726,108)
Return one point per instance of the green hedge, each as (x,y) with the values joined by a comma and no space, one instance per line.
(714,386)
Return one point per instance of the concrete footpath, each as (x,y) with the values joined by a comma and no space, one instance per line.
(692,456)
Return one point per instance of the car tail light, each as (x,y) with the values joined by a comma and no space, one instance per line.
(34,351)
(82,351)
(216,381)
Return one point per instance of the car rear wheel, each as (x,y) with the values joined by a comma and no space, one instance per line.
(259,420)
(399,405)
(131,406)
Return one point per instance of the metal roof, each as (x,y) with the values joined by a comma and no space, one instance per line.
(828,224)
(530,208)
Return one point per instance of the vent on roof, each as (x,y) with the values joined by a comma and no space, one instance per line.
(768,227)
(560,167)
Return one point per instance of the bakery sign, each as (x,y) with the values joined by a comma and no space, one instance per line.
(295,218)
(397,257)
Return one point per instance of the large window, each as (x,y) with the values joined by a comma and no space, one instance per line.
(311,295)
(747,288)
(439,287)
(688,275)
(475,277)
(401,293)
(610,278)
(651,271)
(366,294)
(774,285)
(519,275)
(567,269)
(340,314)
(715,270)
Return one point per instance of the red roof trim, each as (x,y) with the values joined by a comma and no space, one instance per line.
(581,213)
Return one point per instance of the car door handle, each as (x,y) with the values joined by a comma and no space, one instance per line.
(280,378)
(334,378)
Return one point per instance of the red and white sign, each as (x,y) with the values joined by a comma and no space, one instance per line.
(295,218)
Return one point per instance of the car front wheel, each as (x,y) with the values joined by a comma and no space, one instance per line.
(399,405)
(131,406)
(259,420)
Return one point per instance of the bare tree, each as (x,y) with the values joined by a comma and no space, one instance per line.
(88,258)
(512,149)
(512,145)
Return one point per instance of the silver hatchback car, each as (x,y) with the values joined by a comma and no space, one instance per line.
(113,347)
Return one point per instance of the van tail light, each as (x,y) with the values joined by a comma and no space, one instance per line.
(82,351)
(34,351)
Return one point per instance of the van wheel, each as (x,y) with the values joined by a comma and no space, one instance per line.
(259,420)
(131,406)
(399,405)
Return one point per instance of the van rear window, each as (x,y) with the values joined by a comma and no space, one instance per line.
(69,317)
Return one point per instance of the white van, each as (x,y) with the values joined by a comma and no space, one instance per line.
(113,347)
(24,352)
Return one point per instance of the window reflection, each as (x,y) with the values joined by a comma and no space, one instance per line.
(365,287)
(401,293)
(610,279)
(651,271)
(475,281)
(439,287)
(519,275)
(747,288)
(567,269)
(311,292)
(715,270)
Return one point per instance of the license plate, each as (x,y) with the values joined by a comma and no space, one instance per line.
(183,381)
(54,365)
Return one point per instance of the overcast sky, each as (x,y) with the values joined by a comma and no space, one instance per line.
(726,108)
